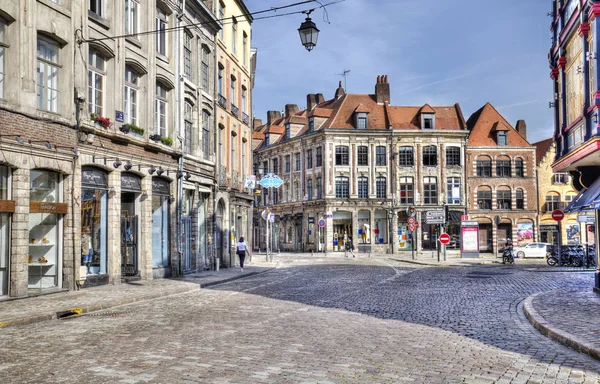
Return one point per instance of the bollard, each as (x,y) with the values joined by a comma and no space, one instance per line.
(311,253)
(217,262)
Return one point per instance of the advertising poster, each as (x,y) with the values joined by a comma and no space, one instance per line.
(524,234)
(573,234)
(470,239)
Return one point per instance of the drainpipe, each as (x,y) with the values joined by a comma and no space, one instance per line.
(180,138)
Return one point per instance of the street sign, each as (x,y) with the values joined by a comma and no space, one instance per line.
(311,220)
(272,218)
(464,217)
(444,238)
(586,219)
(412,228)
(412,220)
(321,223)
(434,217)
(558,215)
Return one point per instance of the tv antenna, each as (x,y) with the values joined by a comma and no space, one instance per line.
(344,74)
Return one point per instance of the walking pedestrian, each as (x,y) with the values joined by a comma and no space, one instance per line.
(242,248)
(349,247)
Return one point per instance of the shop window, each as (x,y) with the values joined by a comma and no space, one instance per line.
(44,241)
(342,187)
(484,168)
(363,187)
(430,195)
(362,155)
(503,198)
(452,156)
(94,220)
(160,223)
(364,227)
(381,187)
(406,190)
(405,157)
(380,231)
(341,155)
(4,233)
(484,198)
(429,156)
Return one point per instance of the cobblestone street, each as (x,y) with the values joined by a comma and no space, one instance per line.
(314,320)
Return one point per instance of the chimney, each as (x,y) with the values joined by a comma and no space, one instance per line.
(272,116)
(311,101)
(320,98)
(522,128)
(339,92)
(382,90)
(291,109)
(256,123)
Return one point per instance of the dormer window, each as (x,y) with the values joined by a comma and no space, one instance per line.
(287,131)
(362,120)
(267,139)
(311,124)
(502,137)
(428,121)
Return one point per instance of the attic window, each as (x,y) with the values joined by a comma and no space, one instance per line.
(428,121)
(502,138)
(287,131)
(362,120)
(267,137)
(311,124)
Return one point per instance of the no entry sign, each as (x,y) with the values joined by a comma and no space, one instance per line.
(444,238)
(558,215)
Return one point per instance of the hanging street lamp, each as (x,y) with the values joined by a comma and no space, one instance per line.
(309,33)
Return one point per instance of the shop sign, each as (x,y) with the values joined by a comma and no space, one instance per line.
(311,220)
(548,228)
(131,182)
(7,206)
(42,207)
(160,186)
(94,177)
(469,223)
(329,215)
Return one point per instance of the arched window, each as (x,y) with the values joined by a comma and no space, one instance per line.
(519,168)
(503,198)
(520,196)
(484,198)
(503,166)
(484,167)
(552,201)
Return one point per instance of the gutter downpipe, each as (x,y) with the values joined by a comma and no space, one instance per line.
(178,129)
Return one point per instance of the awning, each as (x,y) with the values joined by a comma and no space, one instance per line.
(586,199)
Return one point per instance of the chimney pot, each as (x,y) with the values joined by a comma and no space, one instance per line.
(522,128)
(291,109)
(256,123)
(311,101)
(382,90)
(272,116)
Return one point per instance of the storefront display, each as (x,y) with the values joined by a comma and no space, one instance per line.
(549,234)
(202,230)
(94,205)
(342,229)
(131,188)
(160,222)
(404,235)
(364,227)
(380,231)
(573,234)
(524,234)
(5,208)
(45,219)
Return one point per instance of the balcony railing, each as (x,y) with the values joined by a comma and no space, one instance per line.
(235,111)
(222,176)
(222,101)
(245,118)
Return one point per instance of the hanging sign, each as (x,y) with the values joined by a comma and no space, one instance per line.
(250,182)
(42,207)
(7,206)
(271,180)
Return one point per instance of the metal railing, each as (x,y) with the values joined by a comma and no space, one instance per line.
(245,118)
(235,111)
(222,101)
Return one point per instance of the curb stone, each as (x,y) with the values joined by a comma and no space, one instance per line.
(554,333)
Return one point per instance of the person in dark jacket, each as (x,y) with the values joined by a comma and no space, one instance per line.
(350,247)
(241,249)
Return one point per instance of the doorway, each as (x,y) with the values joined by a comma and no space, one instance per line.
(485,237)
(219,232)
(129,225)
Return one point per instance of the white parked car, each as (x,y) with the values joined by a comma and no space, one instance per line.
(531,250)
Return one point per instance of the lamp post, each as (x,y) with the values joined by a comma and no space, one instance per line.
(309,33)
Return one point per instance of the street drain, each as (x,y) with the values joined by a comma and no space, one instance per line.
(109,314)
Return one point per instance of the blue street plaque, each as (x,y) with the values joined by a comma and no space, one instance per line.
(119,116)
(271,180)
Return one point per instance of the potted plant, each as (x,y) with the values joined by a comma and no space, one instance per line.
(136,130)
(124,128)
(166,141)
(99,120)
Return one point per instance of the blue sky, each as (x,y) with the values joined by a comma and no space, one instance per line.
(437,52)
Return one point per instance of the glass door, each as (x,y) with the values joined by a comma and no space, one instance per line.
(129,223)
(4,249)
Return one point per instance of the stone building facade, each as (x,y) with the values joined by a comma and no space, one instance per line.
(359,163)
(99,166)
(501,179)
(575,73)
(555,191)
(236,64)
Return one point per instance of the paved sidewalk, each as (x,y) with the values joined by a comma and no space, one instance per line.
(569,317)
(45,307)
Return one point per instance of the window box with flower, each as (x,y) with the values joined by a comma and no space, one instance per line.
(167,141)
(100,120)
(133,129)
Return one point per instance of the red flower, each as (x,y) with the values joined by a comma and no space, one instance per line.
(103,121)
